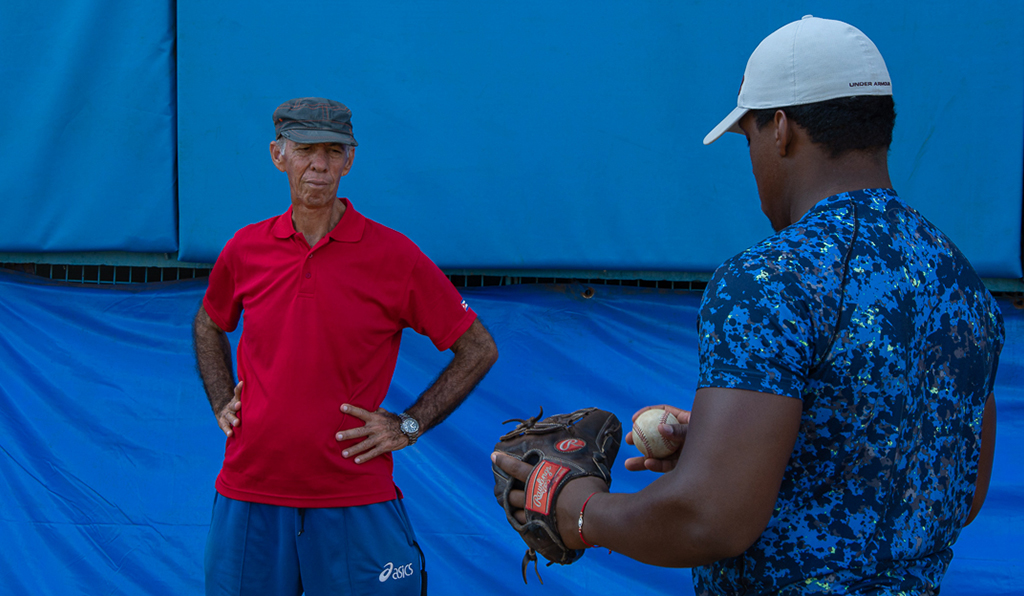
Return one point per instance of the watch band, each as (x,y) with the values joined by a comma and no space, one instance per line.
(410,427)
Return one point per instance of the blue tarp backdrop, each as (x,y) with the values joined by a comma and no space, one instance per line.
(108,449)
(526,135)
(567,135)
(89,126)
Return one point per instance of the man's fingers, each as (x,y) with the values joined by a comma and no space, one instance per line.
(660,466)
(238,390)
(683,416)
(229,411)
(645,408)
(517,499)
(368,456)
(512,466)
(380,434)
(357,412)
(227,420)
(358,448)
(676,432)
(640,464)
(354,433)
(379,448)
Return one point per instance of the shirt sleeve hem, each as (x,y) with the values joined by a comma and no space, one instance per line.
(463,325)
(750,384)
(216,317)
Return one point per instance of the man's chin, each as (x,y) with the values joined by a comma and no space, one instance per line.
(319,198)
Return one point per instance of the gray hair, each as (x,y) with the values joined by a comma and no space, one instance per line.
(282,144)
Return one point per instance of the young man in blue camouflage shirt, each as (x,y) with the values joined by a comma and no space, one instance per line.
(843,427)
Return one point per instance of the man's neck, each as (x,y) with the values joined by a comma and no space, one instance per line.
(316,222)
(854,171)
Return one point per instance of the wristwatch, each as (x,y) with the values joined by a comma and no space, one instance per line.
(410,427)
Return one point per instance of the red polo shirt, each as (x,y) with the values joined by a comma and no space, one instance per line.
(322,328)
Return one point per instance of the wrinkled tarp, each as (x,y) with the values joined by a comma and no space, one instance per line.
(109,450)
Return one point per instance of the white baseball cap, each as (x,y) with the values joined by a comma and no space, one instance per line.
(807,61)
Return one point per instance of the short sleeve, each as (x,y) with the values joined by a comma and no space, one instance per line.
(433,307)
(754,333)
(221,300)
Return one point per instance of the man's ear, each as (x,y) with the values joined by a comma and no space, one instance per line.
(351,159)
(783,133)
(275,156)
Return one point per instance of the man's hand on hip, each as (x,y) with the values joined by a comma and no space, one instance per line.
(228,416)
(383,432)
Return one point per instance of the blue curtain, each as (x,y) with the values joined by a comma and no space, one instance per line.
(567,135)
(109,450)
(88,106)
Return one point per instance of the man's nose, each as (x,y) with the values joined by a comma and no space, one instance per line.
(320,159)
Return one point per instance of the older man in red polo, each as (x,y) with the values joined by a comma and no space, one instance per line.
(305,500)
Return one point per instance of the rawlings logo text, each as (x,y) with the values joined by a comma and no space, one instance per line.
(544,477)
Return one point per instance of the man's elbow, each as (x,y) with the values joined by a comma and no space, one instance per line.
(723,540)
(483,351)
(490,355)
(702,532)
(735,543)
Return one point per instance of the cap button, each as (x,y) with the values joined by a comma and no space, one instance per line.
(807,16)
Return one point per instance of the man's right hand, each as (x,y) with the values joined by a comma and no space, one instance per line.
(675,432)
(228,416)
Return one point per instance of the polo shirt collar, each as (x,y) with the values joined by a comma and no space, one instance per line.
(349,229)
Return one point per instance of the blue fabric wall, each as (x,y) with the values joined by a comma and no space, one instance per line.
(568,135)
(108,449)
(528,136)
(88,112)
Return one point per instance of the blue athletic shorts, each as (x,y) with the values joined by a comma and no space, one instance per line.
(267,550)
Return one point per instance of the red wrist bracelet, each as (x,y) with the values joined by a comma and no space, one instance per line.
(579,524)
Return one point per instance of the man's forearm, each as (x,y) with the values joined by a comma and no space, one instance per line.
(475,353)
(987,451)
(213,359)
(717,500)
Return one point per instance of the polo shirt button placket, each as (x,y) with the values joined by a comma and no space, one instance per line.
(307,284)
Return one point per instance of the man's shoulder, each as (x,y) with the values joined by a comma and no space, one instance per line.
(777,257)
(788,272)
(257,231)
(389,239)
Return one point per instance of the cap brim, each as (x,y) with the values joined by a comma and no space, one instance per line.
(310,137)
(730,124)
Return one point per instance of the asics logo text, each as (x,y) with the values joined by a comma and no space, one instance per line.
(392,572)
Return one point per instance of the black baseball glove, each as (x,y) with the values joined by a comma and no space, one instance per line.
(561,448)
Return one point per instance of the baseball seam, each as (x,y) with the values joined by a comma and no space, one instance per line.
(643,437)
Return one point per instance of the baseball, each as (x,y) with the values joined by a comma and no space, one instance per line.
(646,436)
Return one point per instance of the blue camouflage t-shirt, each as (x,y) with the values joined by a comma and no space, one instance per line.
(893,367)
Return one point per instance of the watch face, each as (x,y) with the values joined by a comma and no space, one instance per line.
(410,426)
